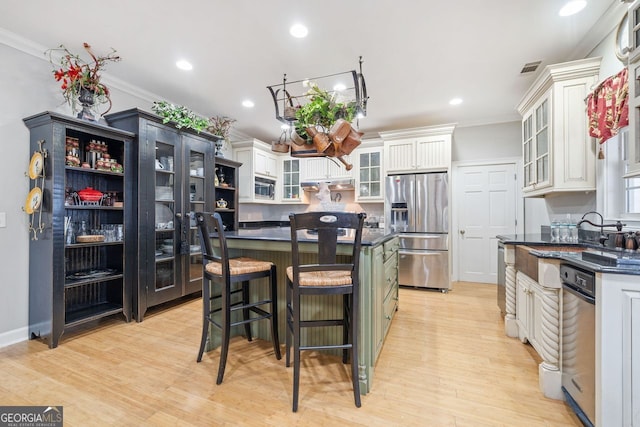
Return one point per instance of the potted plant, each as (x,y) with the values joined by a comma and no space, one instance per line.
(81,80)
(181,116)
(322,111)
(325,123)
(220,126)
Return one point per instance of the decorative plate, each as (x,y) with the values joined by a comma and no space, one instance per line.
(34,198)
(35,167)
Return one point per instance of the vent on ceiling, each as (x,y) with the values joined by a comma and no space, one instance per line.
(530,67)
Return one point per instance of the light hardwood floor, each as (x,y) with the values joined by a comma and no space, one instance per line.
(446,362)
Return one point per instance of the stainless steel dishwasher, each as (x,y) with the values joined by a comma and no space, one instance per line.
(579,341)
(501,279)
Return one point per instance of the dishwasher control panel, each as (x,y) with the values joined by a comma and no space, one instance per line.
(582,280)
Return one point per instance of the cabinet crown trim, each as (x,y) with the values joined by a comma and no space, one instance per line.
(418,132)
(553,73)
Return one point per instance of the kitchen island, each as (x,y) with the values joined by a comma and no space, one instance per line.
(378,288)
(535,306)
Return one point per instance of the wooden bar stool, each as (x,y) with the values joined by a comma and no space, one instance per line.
(325,277)
(219,269)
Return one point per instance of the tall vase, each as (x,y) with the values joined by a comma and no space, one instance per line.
(87,99)
(219,144)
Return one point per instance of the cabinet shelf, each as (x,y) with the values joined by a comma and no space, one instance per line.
(86,245)
(68,284)
(225,210)
(222,187)
(94,312)
(105,208)
(93,171)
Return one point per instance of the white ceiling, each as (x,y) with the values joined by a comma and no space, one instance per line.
(418,54)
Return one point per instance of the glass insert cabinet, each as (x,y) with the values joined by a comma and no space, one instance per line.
(175,179)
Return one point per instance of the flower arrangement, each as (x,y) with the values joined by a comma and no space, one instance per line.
(220,126)
(180,115)
(78,76)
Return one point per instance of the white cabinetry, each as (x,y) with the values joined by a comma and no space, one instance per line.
(257,161)
(322,168)
(265,163)
(538,319)
(290,179)
(369,173)
(423,149)
(558,153)
(617,350)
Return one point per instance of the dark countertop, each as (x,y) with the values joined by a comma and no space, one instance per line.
(598,259)
(370,236)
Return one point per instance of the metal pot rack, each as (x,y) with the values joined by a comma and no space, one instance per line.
(289,94)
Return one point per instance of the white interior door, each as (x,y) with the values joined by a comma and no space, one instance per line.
(486,208)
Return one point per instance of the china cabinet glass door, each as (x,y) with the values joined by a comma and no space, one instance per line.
(167,227)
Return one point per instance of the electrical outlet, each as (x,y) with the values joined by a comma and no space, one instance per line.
(3,219)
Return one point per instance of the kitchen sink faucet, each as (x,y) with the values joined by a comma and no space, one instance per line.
(603,237)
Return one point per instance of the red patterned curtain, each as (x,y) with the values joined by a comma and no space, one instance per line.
(608,107)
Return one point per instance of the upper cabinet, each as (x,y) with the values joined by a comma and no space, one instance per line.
(558,153)
(290,182)
(258,175)
(369,172)
(265,163)
(324,168)
(425,149)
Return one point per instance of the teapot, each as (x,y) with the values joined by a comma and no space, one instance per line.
(222,203)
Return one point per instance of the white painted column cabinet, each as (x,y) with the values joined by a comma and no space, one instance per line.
(558,153)
(633,148)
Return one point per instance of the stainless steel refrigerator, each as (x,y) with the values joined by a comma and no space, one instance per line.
(417,207)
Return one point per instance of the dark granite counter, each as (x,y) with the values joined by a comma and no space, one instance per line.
(587,255)
(370,236)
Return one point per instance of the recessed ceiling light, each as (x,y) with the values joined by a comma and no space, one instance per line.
(455,101)
(247,103)
(298,31)
(184,65)
(339,87)
(572,7)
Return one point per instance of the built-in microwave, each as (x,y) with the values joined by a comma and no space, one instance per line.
(265,188)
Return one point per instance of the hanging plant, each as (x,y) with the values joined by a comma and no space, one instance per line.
(322,110)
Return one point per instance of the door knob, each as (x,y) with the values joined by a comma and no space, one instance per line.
(462,232)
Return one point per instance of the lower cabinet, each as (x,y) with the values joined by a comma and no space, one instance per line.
(538,317)
(385,290)
(617,350)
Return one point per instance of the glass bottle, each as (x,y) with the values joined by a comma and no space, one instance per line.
(84,229)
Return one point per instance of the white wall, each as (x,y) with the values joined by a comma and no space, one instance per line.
(480,143)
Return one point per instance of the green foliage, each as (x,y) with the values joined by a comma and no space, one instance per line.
(322,110)
(181,116)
